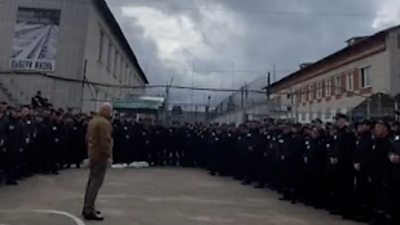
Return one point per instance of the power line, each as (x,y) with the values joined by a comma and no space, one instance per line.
(274,12)
(123,86)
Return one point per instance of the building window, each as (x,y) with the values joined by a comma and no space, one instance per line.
(365,77)
(133,78)
(319,114)
(127,72)
(109,57)
(338,86)
(121,70)
(333,114)
(328,115)
(350,82)
(130,75)
(115,67)
(310,92)
(328,87)
(319,90)
(101,46)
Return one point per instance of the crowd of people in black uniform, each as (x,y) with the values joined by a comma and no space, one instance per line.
(350,170)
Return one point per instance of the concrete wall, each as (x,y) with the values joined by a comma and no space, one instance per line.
(69,50)
(79,40)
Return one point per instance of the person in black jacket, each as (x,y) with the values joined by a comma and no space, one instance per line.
(3,107)
(13,144)
(315,165)
(27,157)
(37,101)
(295,160)
(45,142)
(394,185)
(56,142)
(341,163)
(363,149)
(378,171)
(291,154)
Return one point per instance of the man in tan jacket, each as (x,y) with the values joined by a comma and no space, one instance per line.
(100,145)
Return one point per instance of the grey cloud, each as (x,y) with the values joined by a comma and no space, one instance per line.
(273,35)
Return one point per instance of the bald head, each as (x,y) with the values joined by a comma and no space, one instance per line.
(106,110)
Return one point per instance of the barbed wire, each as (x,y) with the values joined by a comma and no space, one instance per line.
(124,86)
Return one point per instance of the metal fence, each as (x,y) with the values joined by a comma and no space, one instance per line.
(249,102)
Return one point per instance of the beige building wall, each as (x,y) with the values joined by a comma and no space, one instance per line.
(384,78)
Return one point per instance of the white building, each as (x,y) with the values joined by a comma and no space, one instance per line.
(342,81)
(52,45)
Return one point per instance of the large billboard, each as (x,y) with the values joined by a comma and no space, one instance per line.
(35,39)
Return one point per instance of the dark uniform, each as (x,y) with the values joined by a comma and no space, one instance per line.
(394,185)
(264,160)
(117,137)
(2,148)
(342,173)
(13,143)
(378,171)
(363,189)
(28,163)
(125,145)
(54,146)
(213,146)
(315,167)
(77,146)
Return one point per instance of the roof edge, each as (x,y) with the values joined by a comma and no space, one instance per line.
(322,60)
(116,28)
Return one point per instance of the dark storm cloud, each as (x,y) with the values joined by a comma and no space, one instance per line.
(281,32)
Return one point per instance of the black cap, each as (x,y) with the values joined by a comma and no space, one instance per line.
(298,125)
(365,122)
(341,116)
(317,120)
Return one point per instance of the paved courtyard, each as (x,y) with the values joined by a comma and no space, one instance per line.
(152,197)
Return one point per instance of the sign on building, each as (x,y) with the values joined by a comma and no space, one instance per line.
(35,39)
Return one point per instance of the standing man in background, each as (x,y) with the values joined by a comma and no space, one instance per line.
(100,145)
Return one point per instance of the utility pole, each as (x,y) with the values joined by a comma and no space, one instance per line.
(83,83)
(233,75)
(167,90)
(273,73)
(192,91)
(268,93)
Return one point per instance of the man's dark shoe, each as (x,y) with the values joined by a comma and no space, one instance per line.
(97,212)
(11,182)
(93,216)
(259,186)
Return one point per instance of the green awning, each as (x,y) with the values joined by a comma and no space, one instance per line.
(152,103)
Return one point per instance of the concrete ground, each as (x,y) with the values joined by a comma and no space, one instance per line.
(152,197)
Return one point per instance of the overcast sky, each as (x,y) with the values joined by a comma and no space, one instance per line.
(202,42)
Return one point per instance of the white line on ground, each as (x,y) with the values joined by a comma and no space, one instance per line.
(47,211)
